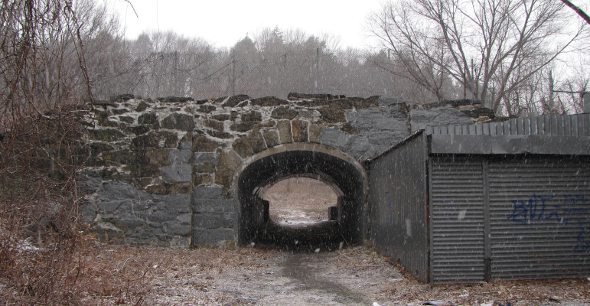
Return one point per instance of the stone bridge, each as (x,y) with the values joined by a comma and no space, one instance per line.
(181,172)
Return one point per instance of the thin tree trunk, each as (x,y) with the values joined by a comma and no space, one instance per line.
(577,10)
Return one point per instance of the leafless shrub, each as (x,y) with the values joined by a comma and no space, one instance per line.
(44,80)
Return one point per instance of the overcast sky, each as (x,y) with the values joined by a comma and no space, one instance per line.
(224,22)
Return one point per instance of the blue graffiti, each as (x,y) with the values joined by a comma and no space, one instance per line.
(389,200)
(562,210)
(546,208)
(583,242)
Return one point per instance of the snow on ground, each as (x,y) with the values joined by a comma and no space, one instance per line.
(351,276)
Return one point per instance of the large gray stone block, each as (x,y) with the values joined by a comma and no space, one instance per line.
(214,205)
(229,219)
(359,147)
(386,138)
(116,190)
(186,143)
(148,119)
(377,120)
(174,203)
(111,206)
(178,121)
(177,228)
(129,222)
(335,138)
(142,217)
(208,192)
(205,162)
(208,220)
(202,236)
(88,212)
(185,218)
(160,216)
(179,169)
(271,137)
(444,115)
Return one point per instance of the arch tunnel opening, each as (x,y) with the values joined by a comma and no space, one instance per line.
(301,200)
(345,217)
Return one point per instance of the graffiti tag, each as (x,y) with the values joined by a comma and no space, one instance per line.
(583,243)
(561,210)
(546,208)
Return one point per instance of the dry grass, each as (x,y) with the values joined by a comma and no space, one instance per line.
(533,292)
(114,274)
(42,251)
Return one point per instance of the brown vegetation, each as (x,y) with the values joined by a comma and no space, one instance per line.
(43,75)
(124,275)
(39,232)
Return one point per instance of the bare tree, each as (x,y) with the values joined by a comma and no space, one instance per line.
(43,53)
(489,47)
(569,92)
(274,62)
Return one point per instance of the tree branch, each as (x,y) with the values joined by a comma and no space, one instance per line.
(577,10)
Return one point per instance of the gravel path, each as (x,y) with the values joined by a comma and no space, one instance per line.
(251,276)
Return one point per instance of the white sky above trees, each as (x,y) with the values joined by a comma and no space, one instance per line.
(224,22)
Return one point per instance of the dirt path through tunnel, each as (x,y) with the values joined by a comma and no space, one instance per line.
(310,279)
(252,276)
(312,273)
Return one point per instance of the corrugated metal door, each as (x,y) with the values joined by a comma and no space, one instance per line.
(457,220)
(539,217)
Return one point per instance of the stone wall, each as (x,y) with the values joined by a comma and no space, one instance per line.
(162,171)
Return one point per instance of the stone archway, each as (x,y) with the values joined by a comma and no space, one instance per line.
(165,171)
(329,166)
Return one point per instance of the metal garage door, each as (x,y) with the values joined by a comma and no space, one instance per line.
(539,217)
(457,220)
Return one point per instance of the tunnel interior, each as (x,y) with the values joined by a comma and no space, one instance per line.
(301,200)
(345,222)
